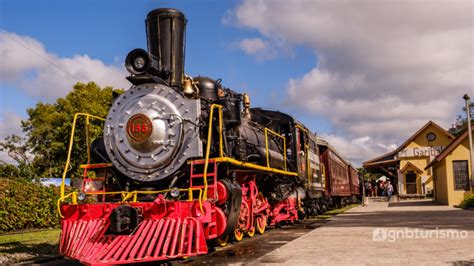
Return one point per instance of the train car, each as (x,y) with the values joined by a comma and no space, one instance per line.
(338,190)
(354,182)
(337,178)
(185,163)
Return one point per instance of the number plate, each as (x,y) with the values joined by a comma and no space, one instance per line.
(139,128)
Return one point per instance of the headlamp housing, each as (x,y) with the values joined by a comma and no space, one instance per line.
(138,61)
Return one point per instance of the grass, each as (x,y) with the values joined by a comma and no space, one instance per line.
(335,212)
(31,245)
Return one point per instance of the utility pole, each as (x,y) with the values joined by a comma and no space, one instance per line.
(469,132)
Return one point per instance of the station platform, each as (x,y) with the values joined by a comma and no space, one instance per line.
(367,236)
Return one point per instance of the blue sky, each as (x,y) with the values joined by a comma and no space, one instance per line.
(363,74)
(108,30)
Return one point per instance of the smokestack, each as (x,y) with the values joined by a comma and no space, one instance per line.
(166,28)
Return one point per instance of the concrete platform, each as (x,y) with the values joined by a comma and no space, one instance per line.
(407,232)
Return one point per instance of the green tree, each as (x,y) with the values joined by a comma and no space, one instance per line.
(364,173)
(48,127)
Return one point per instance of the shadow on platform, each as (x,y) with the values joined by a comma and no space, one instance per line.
(417,203)
(424,214)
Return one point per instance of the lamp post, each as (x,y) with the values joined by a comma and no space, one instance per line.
(469,133)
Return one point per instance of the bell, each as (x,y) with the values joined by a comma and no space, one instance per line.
(188,87)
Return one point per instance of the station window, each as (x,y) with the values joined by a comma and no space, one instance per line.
(461,178)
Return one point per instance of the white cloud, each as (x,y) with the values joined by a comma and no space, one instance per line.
(262,50)
(384,67)
(359,149)
(253,45)
(28,65)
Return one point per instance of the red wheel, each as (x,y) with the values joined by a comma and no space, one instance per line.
(261,224)
(238,235)
(242,224)
(251,232)
(261,213)
(222,241)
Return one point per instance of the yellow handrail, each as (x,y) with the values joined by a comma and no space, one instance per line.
(233,161)
(253,166)
(125,195)
(71,139)
(208,144)
(88,140)
(266,130)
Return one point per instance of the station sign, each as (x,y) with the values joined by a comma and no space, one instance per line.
(431,152)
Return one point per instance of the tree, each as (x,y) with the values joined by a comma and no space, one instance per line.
(48,127)
(461,121)
(364,173)
(18,149)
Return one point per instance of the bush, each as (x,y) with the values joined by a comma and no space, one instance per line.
(25,205)
(468,202)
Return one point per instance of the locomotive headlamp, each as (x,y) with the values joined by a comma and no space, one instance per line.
(174,192)
(137,61)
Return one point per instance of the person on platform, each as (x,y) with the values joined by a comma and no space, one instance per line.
(382,188)
(368,189)
(389,190)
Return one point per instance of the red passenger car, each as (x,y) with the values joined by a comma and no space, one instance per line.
(336,172)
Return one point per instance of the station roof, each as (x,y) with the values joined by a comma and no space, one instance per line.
(390,156)
(414,167)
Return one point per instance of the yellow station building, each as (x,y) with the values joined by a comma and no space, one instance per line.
(452,171)
(407,165)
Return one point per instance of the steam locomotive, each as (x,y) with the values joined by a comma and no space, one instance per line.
(186,163)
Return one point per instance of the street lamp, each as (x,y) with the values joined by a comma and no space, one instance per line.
(469,132)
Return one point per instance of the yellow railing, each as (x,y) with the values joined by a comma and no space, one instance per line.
(208,144)
(233,161)
(71,140)
(267,130)
(127,195)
